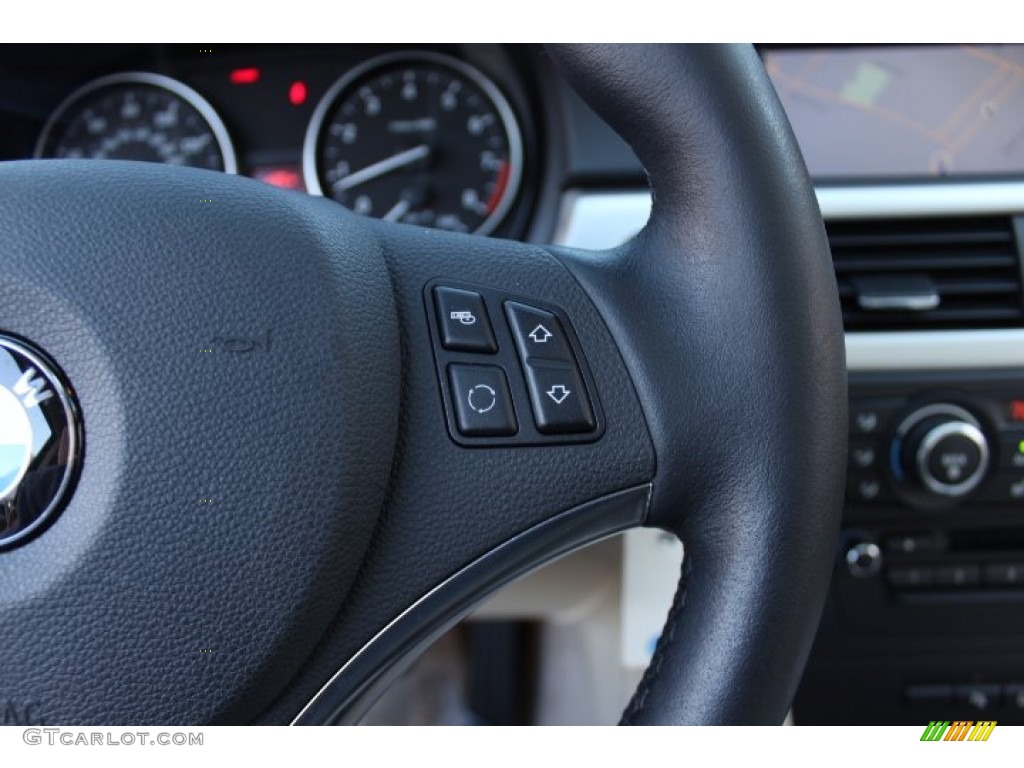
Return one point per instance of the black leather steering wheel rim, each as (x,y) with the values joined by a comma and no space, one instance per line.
(738,632)
(351,526)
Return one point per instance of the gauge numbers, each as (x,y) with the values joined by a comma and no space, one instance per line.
(418,138)
(138,116)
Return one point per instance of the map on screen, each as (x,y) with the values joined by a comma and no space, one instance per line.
(904,111)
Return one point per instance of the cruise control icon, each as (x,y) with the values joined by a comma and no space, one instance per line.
(482,398)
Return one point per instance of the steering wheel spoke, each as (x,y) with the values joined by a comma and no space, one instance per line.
(474,498)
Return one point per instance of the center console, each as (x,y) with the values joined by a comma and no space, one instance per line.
(926,613)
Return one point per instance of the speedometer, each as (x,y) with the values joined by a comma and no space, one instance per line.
(420,138)
(138,116)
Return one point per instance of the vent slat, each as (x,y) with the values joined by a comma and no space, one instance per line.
(868,240)
(903,263)
(977,287)
(892,321)
(972,262)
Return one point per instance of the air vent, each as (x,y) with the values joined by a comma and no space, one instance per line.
(909,274)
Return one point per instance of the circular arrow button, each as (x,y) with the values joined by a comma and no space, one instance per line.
(482,398)
(482,401)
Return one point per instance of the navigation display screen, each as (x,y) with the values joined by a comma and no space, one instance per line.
(904,111)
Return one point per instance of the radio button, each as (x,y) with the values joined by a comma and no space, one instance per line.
(863,454)
(913,544)
(1006,486)
(910,577)
(1004,574)
(981,698)
(865,486)
(958,576)
(1011,450)
(1014,693)
(869,418)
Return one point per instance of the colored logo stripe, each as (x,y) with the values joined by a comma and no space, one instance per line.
(959,730)
(982,730)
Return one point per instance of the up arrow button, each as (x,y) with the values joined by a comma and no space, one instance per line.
(537,333)
(540,335)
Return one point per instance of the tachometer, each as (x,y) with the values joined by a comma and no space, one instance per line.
(420,138)
(138,116)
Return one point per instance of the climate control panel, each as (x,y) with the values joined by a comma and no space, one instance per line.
(935,450)
(925,616)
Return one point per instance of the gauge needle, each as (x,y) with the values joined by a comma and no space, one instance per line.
(397,211)
(387,165)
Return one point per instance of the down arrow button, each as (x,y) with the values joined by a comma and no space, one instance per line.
(559,399)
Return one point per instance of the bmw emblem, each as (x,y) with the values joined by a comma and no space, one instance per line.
(40,441)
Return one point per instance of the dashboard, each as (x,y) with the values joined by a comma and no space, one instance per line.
(917,153)
(443,137)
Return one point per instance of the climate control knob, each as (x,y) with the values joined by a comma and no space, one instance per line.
(942,449)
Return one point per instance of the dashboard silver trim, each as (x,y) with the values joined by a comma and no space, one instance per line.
(178,88)
(478,78)
(604,219)
(939,199)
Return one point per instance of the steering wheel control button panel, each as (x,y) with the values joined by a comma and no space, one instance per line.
(463,320)
(527,362)
(40,441)
(483,403)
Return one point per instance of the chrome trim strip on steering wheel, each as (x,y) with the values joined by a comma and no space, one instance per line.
(354,688)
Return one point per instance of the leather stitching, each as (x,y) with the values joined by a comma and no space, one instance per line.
(638,703)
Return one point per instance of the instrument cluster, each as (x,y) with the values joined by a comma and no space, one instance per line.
(428,137)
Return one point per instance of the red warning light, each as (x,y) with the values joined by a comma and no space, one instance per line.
(284,176)
(245,76)
(297,93)
(1017,410)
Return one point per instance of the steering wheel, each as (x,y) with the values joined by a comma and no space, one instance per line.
(308,442)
